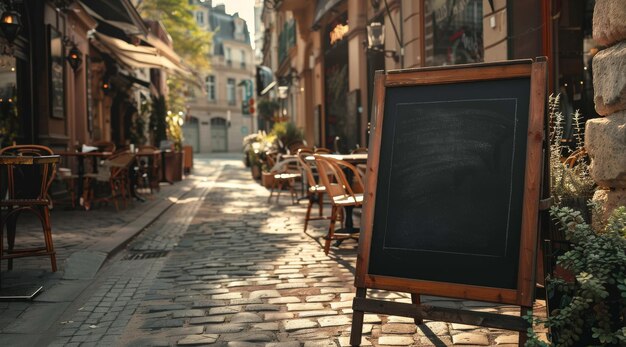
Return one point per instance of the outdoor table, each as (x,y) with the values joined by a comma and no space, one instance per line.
(359,158)
(80,157)
(354,159)
(23,291)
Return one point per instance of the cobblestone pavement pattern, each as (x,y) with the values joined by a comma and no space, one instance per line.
(222,267)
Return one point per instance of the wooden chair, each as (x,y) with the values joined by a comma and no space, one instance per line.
(113,173)
(315,191)
(27,187)
(323,150)
(340,190)
(360,150)
(285,172)
(575,157)
(293,147)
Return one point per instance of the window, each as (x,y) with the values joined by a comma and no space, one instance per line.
(228,56)
(200,18)
(243,59)
(456,28)
(210,87)
(230,91)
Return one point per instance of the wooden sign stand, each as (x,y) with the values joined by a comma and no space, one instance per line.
(382,265)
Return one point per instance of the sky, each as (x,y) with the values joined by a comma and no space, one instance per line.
(245,9)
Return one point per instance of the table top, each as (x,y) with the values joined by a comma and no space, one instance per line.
(28,160)
(350,158)
(84,154)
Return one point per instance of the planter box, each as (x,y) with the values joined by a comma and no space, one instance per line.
(255,170)
(173,166)
(267,179)
(188,150)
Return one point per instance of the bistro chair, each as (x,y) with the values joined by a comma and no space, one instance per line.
(284,172)
(359,150)
(341,191)
(293,147)
(315,192)
(149,168)
(112,174)
(25,178)
(322,150)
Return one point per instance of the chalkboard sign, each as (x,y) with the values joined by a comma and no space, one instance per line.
(450,192)
(453,182)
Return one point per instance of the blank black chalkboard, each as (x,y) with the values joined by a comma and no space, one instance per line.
(450,182)
(451,204)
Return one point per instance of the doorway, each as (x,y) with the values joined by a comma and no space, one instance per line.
(219,135)
(191,133)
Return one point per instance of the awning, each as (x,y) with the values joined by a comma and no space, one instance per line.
(140,56)
(119,13)
(323,6)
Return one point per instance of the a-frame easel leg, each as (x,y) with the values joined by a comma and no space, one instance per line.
(523,336)
(357,321)
(415,299)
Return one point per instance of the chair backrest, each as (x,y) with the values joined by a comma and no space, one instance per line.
(306,165)
(293,147)
(27,181)
(115,166)
(360,150)
(323,150)
(332,173)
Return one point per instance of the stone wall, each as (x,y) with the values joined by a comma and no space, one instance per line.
(605,137)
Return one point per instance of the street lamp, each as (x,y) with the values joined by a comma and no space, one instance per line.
(376,41)
(10,24)
(74,57)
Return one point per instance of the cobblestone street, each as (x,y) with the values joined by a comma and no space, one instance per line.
(223,267)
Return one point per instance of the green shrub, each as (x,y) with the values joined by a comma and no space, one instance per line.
(592,308)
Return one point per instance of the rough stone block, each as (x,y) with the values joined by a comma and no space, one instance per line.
(605,141)
(609,79)
(609,21)
(607,200)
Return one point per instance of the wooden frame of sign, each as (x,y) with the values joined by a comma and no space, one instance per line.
(452,193)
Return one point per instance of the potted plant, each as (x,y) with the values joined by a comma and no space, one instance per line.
(591,308)
(571,183)
(286,133)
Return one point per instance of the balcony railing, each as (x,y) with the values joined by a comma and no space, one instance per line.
(286,40)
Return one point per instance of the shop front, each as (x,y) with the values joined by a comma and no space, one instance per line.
(340,127)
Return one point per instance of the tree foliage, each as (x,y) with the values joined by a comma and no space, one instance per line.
(191,42)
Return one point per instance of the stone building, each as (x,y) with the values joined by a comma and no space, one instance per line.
(216,121)
(605,137)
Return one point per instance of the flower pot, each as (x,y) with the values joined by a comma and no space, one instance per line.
(267,179)
(255,170)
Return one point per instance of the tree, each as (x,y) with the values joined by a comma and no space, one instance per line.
(191,42)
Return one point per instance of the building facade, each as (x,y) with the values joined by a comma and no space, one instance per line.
(320,53)
(216,119)
(78,72)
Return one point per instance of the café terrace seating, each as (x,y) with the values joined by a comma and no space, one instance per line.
(24,190)
(341,191)
(285,172)
(111,182)
(315,192)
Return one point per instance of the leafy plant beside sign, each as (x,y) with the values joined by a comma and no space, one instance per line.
(592,308)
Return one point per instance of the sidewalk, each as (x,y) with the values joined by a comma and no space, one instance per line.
(83,241)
